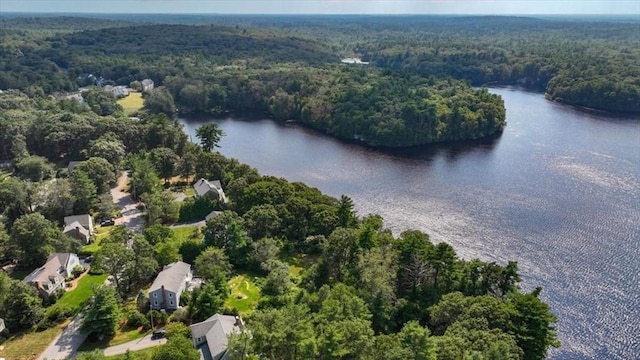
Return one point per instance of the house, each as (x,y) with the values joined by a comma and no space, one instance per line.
(147,85)
(168,286)
(79,227)
(117,91)
(2,327)
(51,276)
(210,189)
(210,336)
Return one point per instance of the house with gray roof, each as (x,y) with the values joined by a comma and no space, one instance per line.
(52,275)
(209,188)
(147,85)
(210,336)
(79,227)
(170,283)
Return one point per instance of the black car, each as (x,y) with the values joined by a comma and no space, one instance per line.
(157,334)
(107,222)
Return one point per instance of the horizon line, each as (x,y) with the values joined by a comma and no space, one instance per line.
(316,14)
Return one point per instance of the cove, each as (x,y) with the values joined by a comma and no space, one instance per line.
(559,192)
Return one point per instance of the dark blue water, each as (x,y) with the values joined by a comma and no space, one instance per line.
(559,192)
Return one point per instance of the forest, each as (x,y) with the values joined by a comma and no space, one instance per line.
(358,291)
(417,88)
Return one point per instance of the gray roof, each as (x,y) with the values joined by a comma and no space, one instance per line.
(84,220)
(54,263)
(202,187)
(172,277)
(216,329)
(76,225)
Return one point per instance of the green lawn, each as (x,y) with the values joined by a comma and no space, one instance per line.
(27,346)
(132,103)
(78,296)
(244,294)
(101,233)
(189,191)
(185,233)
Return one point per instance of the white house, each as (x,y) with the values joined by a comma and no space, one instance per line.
(170,283)
(209,188)
(147,85)
(52,275)
(79,227)
(210,336)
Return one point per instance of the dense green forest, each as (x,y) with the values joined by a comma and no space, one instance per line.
(588,62)
(360,292)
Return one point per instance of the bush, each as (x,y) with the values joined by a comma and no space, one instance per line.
(159,317)
(54,315)
(77,271)
(136,319)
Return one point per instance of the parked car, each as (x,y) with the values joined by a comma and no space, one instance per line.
(158,334)
(107,222)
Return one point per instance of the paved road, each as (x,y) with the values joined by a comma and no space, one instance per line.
(65,345)
(131,216)
(134,345)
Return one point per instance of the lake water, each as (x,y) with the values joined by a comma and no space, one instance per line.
(559,192)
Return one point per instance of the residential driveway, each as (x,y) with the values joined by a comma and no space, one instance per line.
(134,345)
(131,216)
(65,345)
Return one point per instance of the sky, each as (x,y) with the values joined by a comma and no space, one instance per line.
(496,7)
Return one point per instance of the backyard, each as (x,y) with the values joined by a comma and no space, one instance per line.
(77,297)
(131,103)
(244,294)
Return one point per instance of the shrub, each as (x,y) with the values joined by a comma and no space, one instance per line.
(54,315)
(136,319)
(159,317)
(77,271)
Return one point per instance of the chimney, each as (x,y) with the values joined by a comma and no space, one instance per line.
(163,304)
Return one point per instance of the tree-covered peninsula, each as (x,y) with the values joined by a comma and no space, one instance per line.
(214,69)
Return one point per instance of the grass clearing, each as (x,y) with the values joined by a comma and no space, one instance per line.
(245,294)
(78,296)
(185,233)
(101,233)
(131,103)
(27,346)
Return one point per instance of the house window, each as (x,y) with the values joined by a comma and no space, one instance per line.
(171,302)
(155,302)
(155,294)
(170,294)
